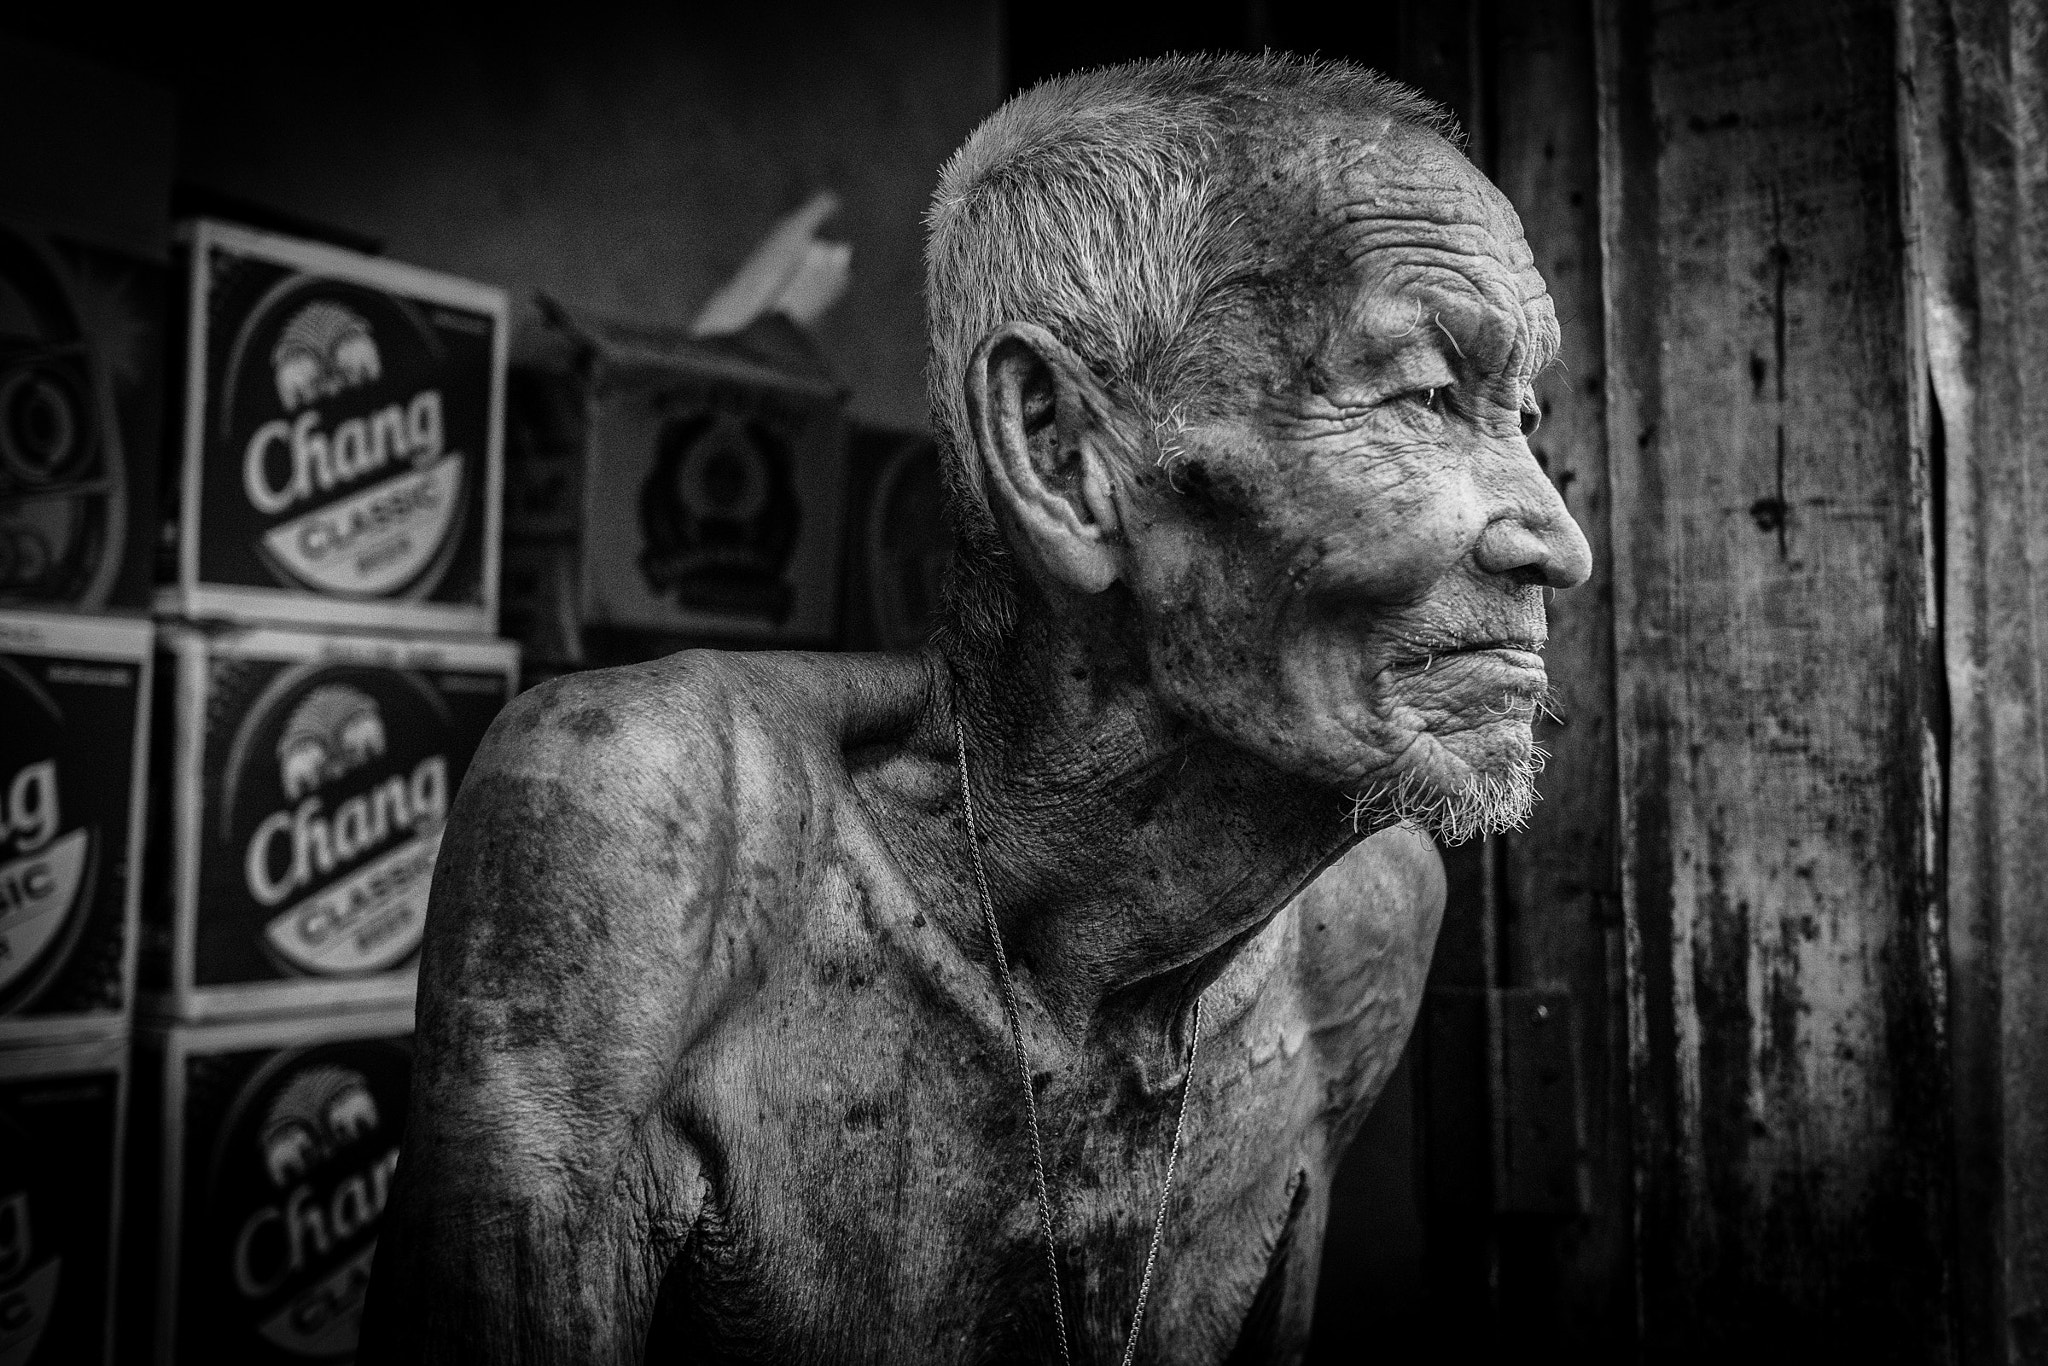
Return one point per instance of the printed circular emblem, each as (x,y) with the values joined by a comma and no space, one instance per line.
(300,1178)
(47,866)
(331,401)
(719,516)
(63,493)
(334,798)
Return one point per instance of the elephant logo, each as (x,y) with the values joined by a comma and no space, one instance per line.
(320,1112)
(323,350)
(335,729)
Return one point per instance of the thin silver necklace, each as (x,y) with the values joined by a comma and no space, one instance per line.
(995,939)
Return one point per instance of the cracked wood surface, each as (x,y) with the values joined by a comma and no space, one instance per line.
(1777,684)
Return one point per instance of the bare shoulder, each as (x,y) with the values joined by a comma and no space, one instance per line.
(610,840)
(1368,927)
(619,868)
(582,881)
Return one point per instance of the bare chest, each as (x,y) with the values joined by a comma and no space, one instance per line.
(868,1189)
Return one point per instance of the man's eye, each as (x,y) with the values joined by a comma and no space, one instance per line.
(1436,398)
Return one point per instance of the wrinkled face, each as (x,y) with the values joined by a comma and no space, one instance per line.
(1347,577)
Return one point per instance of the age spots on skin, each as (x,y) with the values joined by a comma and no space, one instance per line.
(591,723)
(523,922)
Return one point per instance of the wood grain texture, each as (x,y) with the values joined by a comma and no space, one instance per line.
(1977,184)
(1776,679)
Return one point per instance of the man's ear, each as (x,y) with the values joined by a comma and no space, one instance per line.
(1044,432)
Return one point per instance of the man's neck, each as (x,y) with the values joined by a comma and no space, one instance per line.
(1128,853)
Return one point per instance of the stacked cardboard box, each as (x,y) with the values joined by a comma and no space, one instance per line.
(60,1197)
(75,691)
(74,694)
(83,282)
(324,674)
(342,428)
(255,1185)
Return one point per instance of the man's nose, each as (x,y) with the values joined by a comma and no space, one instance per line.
(1532,538)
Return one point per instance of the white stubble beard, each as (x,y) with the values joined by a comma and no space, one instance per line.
(1488,803)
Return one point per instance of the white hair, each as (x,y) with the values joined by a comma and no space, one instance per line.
(1104,206)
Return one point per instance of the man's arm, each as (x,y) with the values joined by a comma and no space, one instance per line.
(580,938)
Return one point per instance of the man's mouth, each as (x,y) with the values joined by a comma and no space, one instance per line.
(1518,650)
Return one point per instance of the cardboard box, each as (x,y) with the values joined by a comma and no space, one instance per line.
(306,777)
(713,488)
(343,425)
(60,1199)
(74,695)
(260,1157)
(81,413)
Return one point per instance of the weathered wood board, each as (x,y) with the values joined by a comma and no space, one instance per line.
(1975,106)
(1777,675)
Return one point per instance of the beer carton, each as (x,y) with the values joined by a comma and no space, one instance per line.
(81,395)
(341,454)
(306,778)
(74,723)
(260,1161)
(713,484)
(60,1198)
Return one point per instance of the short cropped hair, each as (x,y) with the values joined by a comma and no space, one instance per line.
(1107,206)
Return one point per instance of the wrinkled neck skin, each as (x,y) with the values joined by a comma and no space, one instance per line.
(1129,855)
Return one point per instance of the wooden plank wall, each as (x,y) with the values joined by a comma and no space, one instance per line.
(1777,687)
(1539,909)
(1974,104)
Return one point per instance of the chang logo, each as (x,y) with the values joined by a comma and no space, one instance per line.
(338,850)
(300,1183)
(357,434)
(325,349)
(42,871)
(319,1112)
(334,730)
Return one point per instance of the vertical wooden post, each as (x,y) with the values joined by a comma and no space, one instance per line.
(1777,688)
(1974,105)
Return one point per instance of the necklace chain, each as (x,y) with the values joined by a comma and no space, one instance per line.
(995,939)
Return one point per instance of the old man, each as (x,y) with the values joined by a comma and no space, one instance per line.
(1014,1001)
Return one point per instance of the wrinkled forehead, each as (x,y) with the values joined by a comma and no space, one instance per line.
(1401,231)
(1379,167)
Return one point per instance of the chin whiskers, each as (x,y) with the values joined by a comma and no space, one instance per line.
(1487,804)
